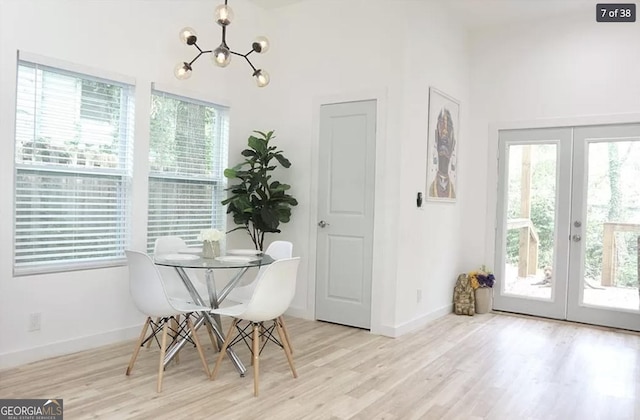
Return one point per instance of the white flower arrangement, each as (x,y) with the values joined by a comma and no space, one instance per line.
(210,235)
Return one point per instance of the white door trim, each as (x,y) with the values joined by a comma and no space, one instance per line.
(491,223)
(377,281)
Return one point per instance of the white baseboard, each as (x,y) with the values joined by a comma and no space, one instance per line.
(414,324)
(300,313)
(21,357)
(387,330)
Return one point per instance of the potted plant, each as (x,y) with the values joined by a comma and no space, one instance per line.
(210,242)
(257,202)
(482,281)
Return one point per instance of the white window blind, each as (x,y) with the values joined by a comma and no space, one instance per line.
(187,157)
(73,165)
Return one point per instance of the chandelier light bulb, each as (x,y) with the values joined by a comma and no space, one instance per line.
(182,71)
(188,36)
(223,15)
(262,77)
(260,45)
(221,56)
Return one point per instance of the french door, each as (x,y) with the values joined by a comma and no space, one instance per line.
(568,233)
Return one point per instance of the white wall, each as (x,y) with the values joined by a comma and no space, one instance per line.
(429,239)
(137,39)
(567,68)
(322,49)
(393,51)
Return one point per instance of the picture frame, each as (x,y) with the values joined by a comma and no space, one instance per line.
(443,143)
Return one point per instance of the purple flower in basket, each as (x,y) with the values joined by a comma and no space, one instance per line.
(486,279)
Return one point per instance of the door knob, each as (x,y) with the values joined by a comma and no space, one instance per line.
(576,238)
(323,224)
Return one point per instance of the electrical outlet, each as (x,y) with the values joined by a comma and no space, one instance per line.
(34,321)
(419,295)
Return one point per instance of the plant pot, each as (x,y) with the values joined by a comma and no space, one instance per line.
(484,299)
(210,249)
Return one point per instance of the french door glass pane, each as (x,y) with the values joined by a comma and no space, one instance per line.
(611,263)
(531,224)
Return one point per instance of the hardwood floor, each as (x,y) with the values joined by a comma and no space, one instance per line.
(491,366)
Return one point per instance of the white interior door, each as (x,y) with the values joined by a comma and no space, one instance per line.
(569,224)
(345,213)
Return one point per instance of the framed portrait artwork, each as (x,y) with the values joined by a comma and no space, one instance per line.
(442,146)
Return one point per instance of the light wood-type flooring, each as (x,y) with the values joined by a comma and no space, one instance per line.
(492,366)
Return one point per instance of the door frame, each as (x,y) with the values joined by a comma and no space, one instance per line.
(493,169)
(379,238)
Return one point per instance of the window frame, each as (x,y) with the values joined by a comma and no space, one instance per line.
(216,180)
(122,172)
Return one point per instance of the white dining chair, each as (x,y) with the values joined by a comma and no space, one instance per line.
(272,295)
(173,283)
(148,292)
(277,250)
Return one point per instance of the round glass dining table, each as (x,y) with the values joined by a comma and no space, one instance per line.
(191,259)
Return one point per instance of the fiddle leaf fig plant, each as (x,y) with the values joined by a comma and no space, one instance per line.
(257,202)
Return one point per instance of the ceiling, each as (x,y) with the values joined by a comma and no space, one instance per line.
(273,4)
(482,13)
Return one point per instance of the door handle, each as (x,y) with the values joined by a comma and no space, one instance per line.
(323,224)
(576,238)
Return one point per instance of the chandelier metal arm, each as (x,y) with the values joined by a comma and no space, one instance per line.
(200,53)
(198,56)
(224,36)
(246,57)
(252,67)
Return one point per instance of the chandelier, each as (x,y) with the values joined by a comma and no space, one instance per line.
(221,56)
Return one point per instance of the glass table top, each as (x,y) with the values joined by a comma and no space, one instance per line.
(191,260)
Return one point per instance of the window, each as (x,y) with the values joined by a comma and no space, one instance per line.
(99,100)
(73,168)
(187,157)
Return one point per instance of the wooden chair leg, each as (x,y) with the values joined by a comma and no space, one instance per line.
(198,346)
(223,350)
(285,346)
(286,332)
(256,357)
(149,342)
(212,338)
(261,338)
(163,349)
(134,356)
(175,325)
